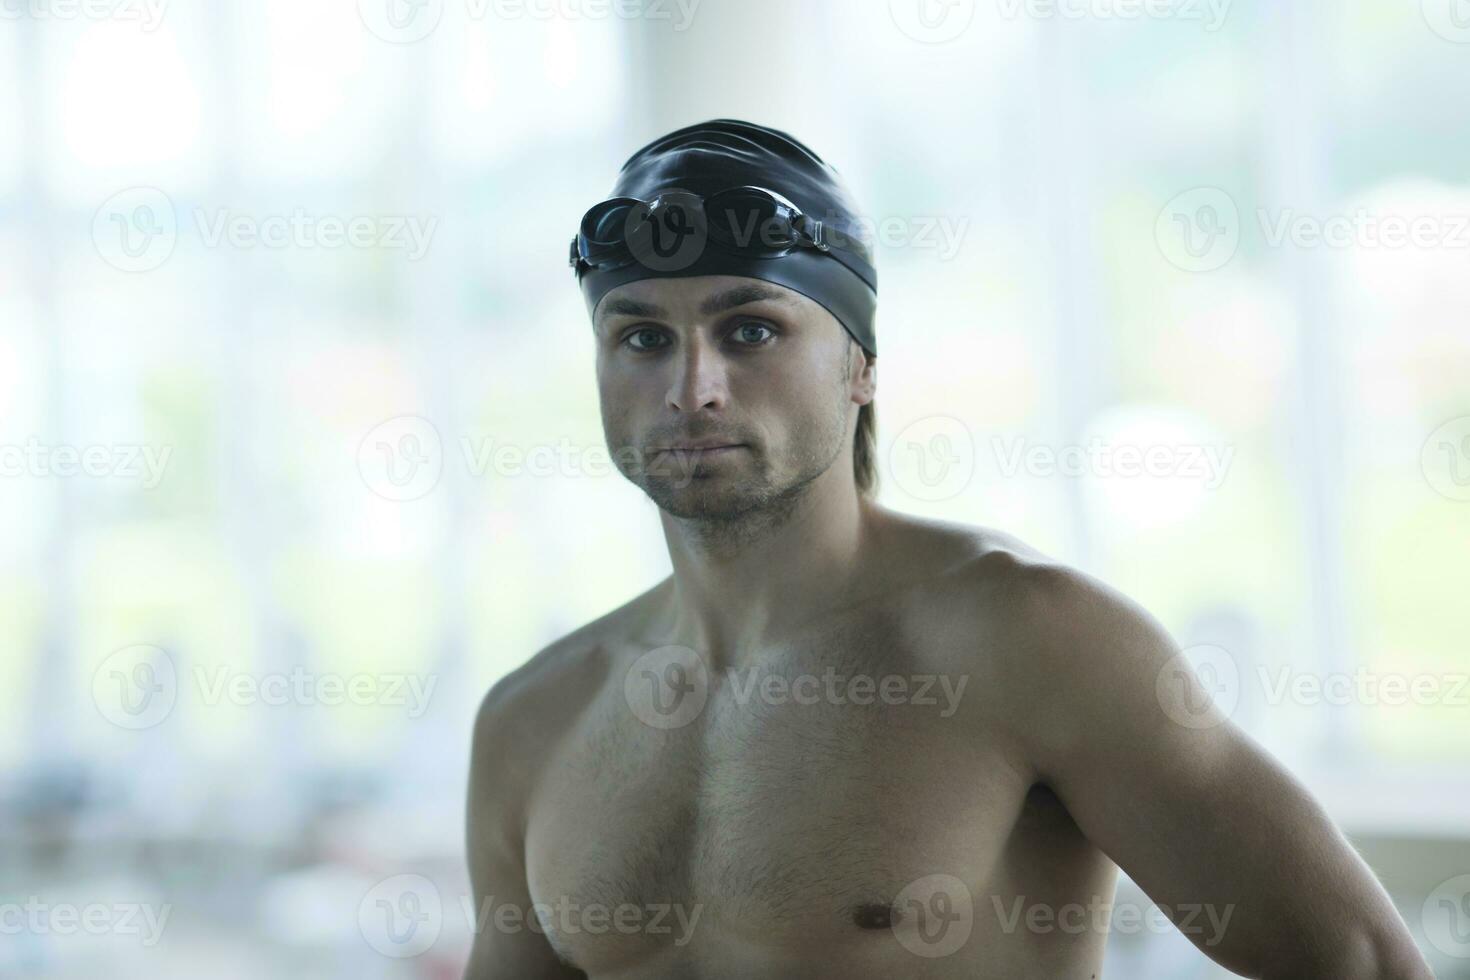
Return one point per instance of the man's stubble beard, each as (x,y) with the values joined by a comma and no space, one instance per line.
(724,505)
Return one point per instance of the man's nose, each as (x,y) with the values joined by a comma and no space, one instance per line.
(699,378)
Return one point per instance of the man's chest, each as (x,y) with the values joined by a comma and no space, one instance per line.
(800,795)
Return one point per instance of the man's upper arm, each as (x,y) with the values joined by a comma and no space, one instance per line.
(1198,814)
(501,763)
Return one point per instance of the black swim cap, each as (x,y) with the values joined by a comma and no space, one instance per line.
(726,153)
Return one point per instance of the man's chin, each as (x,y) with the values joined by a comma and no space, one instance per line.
(709,499)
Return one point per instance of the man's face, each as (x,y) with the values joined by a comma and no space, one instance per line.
(721,394)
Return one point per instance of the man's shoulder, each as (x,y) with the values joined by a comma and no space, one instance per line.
(546,692)
(1026,601)
(1046,642)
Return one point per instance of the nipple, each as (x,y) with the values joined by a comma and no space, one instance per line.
(873,915)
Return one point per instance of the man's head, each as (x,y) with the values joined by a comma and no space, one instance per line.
(731,316)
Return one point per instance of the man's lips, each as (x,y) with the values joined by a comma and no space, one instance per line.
(703,446)
(714,449)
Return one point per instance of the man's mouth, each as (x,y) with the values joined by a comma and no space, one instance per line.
(693,454)
(706,444)
(701,448)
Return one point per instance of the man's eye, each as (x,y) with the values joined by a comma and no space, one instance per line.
(645,338)
(753,333)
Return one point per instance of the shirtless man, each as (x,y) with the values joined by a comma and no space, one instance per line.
(843,742)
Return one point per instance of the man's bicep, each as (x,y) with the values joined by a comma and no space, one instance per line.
(508,942)
(1222,837)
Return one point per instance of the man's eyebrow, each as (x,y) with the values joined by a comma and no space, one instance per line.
(622,306)
(739,296)
(718,303)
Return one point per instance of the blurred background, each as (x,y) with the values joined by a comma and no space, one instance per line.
(300,447)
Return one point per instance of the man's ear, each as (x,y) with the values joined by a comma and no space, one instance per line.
(863,373)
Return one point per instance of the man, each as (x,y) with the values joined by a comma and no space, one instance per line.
(839,741)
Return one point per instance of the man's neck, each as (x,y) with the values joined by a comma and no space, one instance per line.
(737,585)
